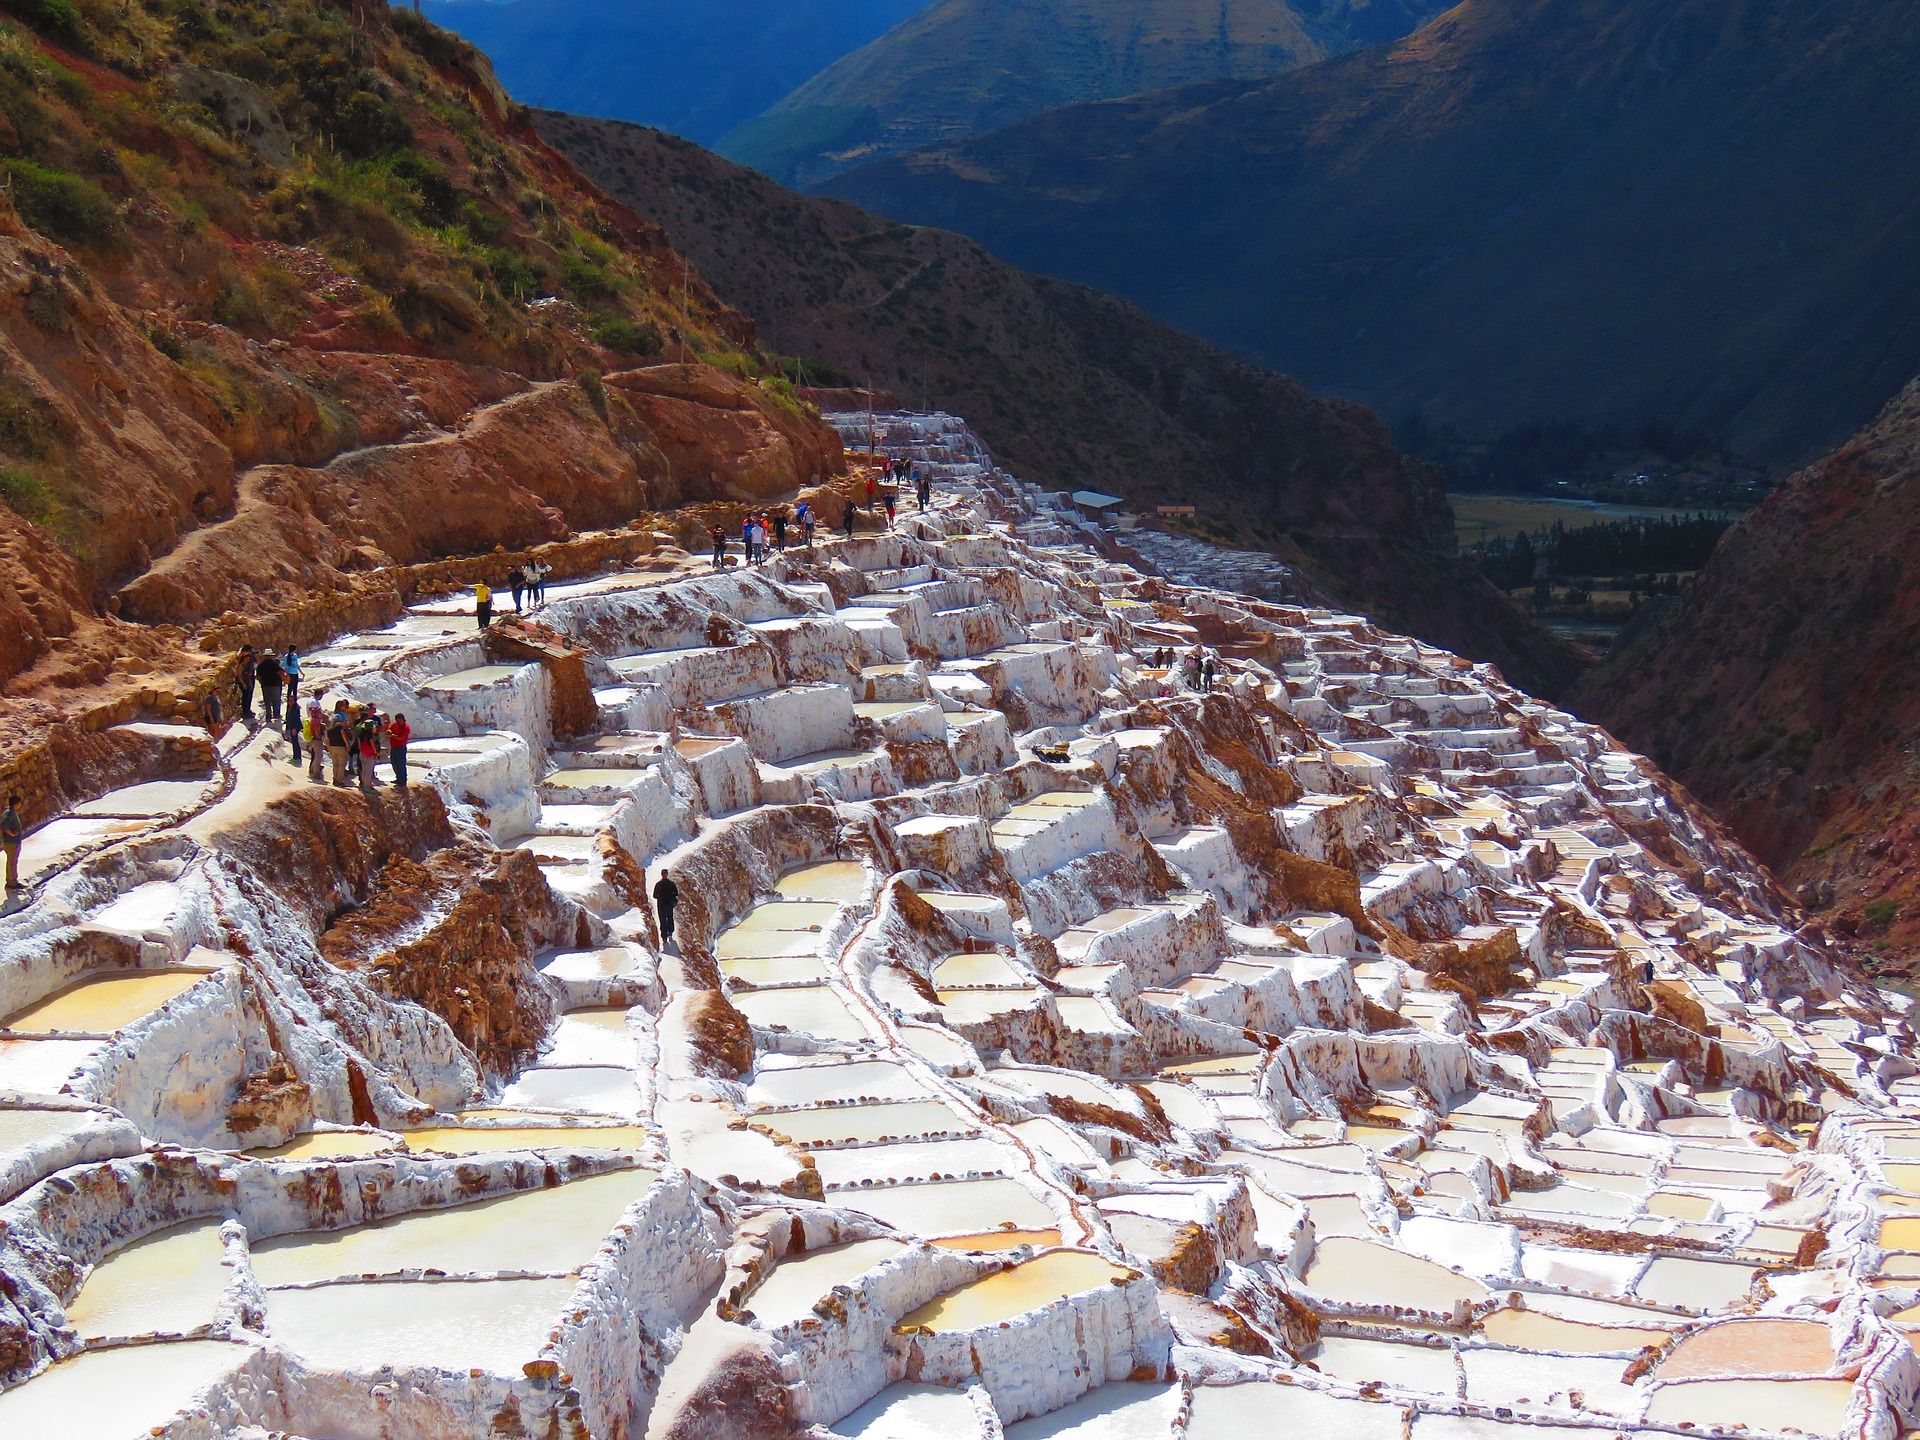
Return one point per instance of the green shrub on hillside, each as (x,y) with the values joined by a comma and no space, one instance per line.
(61,205)
(627,336)
(58,18)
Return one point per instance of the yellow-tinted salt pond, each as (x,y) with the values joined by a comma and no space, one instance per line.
(326,1145)
(966,1007)
(103,1005)
(937,1047)
(1359,1272)
(117,1394)
(1750,1347)
(789,915)
(759,944)
(952,1207)
(1816,1406)
(479,1140)
(986,968)
(492,1325)
(789,1292)
(1900,1232)
(1027,1286)
(552,1230)
(837,880)
(763,970)
(170,1281)
(802,1009)
(988,1240)
(865,1122)
(1531,1330)
(21,1128)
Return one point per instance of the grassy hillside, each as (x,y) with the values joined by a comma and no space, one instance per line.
(960,67)
(1074,388)
(1530,210)
(295,303)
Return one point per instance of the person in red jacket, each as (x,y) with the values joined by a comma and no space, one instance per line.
(398,734)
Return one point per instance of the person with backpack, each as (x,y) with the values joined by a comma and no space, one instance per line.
(516,582)
(315,727)
(339,734)
(248,673)
(12,831)
(398,734)
(808,519)
(290,667)
(270,676)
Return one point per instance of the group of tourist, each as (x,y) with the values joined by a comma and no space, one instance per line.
(529,580)
(764,532)
(354,738)
(1199,669)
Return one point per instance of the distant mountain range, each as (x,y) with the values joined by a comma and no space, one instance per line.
(1612,210)
(961,67)
(1075,389)
(695,67)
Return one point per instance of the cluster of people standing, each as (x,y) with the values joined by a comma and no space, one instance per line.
(1199,669)
(763,532)
(354,737)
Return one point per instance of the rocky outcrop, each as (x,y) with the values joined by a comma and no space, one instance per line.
(1778,686)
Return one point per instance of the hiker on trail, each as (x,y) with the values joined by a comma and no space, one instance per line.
(870,490)
(292,728)
(315,727)
(890,499)
(351,714)
(537,574)
(1191,669)
(746,537)
(516,582)
(290,667)
(666,895)
(847,515)
(270,676)
(211,715)
(12,831)
(807,520)
(339,731)
(398,734)
(1206,673)
(249,672)
(780,529)
(719,538)
(367,733)
(482,604)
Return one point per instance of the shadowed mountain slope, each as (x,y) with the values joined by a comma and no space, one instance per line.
(1530,209)
(1074,388)
(1780,685)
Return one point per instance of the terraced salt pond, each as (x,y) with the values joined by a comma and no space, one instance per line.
(1029,1285)
(537,1231)
(789,1292)
(496,1326)
(169,1282)
(117,1394)
(103,1005)
(953,1207)
(500,1139)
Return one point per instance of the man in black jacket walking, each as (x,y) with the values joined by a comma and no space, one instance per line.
(666,895)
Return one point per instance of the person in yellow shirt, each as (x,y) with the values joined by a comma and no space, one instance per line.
(483,605)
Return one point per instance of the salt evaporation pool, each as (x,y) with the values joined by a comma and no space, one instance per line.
(1206,1039)
(123,1393)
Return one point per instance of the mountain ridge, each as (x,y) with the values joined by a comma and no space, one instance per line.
(1527,210)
